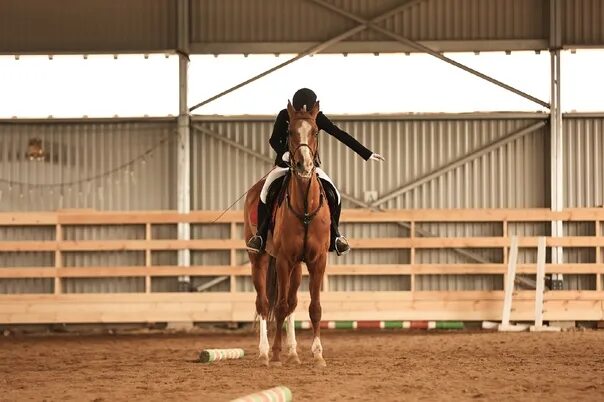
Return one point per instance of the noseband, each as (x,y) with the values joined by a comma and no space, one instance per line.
(293,154)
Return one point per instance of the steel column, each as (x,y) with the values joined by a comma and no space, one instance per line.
(556,135)
(184,141)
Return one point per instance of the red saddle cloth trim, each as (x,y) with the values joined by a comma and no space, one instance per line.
(254,216)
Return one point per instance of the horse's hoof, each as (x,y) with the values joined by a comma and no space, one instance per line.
(293,359)
(263,360)
(320,362)
(276,363)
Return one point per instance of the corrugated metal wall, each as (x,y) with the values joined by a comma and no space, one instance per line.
(472,20)
(32,26)
(583,23)
(512,176)
(226,22)
(90,160)
(583,161)
(26,259)
(97,153)
(266,26)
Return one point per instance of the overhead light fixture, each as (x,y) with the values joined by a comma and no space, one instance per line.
(35,151)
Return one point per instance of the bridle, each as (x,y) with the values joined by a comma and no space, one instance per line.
(307,217)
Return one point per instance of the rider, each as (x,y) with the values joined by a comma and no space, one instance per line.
(305,97)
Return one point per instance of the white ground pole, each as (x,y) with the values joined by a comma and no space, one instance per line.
(509,290)
(540,289)
(183,152)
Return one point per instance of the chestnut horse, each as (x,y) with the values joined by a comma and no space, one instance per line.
(300,234)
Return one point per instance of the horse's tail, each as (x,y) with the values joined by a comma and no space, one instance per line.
(271,287)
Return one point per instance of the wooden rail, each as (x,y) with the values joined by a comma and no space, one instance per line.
(236,305)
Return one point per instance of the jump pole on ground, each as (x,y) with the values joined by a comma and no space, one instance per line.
(276,394)
(212,355)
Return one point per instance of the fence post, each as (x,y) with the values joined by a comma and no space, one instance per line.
(58,259)
(148,237)
(233,257)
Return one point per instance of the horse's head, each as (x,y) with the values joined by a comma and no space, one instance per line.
(303,139)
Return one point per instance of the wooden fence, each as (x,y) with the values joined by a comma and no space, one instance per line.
(148,306)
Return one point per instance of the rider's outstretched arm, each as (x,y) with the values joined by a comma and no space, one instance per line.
(326,125)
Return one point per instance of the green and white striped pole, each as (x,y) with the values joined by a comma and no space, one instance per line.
(383,324)
(277,394)
(212,355)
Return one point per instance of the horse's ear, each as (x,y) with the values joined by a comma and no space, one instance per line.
(315,110)
(290,110)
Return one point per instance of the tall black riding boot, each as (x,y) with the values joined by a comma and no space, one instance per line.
(340,244)
(337,242)
(258,242)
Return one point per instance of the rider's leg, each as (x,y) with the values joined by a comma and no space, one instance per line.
(258,242)
(338,243)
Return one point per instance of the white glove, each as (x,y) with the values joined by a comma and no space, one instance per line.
(285,156)
(376,157)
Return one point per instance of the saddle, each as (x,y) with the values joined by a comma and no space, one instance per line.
(274,199)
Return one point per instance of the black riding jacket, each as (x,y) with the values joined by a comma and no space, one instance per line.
(280,134)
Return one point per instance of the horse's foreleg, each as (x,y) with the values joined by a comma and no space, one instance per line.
(316,272)
(292,301)
(281,308)
(259,270)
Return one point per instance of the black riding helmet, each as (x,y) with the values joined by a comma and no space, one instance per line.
(304,96)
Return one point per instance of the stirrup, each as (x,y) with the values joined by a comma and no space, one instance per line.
(341,246)
(255,244)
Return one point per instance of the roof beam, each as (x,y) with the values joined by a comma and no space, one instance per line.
(427,50)
(312,50)
(378,46)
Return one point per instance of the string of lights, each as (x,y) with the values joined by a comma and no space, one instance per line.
(127,166)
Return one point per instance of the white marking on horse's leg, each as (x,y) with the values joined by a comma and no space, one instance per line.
(317,352)
(291,335)
(263,347)
(316,348)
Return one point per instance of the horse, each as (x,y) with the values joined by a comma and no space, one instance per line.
(300,234)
